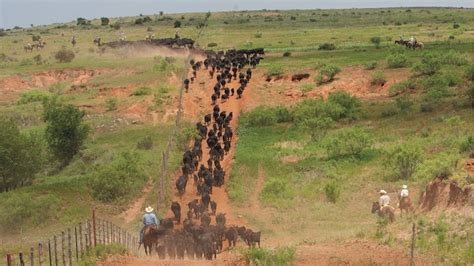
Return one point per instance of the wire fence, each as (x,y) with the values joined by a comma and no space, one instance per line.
(173,136)
(68,247)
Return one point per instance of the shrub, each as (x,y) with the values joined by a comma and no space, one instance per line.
(332,191)
(456,25)
(33,96)
(401,87)
(177,24)
(467,145)
(64,55)
(348,142)
(274,70)
(65,130)
(404,103)
(111,104)
(34,210)
(370,65)
(397,60)
(287,54)
(104,21)
(282,115)
(146,19)
(454,58)
(293,18)
(145,143)
(259,117)
(470,73)
(116,26)
(389,111)
(212,44)
(452,79)
(403,160)
(442,165)
(350,104)
(185,136)
(317,127)
(375,41)
(327,46)
(21,156)
(139,21)
(118,180)
(327,73)
(81,21)
(142,91)
(258,35)
(38,59)
(378,78)
(262,256)
(35,38)
(429,65)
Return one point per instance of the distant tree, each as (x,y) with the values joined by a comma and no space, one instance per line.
(139,21)
(375,41)
(64,55)
(146,19)
(21,156)
(161,13)
(35,38)
(65,129)
(81,21)
(208,14)
(104,21)
(177,24)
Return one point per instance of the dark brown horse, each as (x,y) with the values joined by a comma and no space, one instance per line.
(385,212)
(151,235)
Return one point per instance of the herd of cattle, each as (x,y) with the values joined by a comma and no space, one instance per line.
(199,238)
(168,42)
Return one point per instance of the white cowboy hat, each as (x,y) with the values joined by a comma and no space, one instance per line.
(382,192)
(149,209)
(404,187)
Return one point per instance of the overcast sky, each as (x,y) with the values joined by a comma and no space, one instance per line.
(40,12)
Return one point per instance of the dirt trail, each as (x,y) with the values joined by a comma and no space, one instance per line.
(254,201)
(137,207)
(197,103)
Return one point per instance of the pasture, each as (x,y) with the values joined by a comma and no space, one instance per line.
(283,181)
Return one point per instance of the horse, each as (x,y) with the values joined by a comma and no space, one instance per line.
(400,42)
(149,238)
(405,204)
(416,45)
(28,47)
(385,212)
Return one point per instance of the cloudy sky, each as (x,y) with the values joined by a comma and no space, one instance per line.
(39,12)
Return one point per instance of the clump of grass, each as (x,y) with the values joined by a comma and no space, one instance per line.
(263,256)
(370,65)
(327,73)
(287,54)
(142,91)
(111,104)
(327,46)
(378,78)
(274,70)
(401,87)
(33,96)
(100,252)
(212,44)
(307,87)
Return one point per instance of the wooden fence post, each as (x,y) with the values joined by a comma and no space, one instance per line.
(62,247)
(22,262)
(32,256)
(40,254)
(94,228)
(49,253)
(75,239)
(69,246)
(103,232)
(9,260)
(55,251)
(89,230)
(412,248)
(80,239)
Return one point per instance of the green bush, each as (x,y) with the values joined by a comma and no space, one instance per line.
(317,126)
(316,108)
(467,145)
(258,35)
(212,44)
(177,24)
(397,60)
(261,256)
(33,96)
(370,65)
(327,46)
(142,91)
(442,165)
(455,58)
(139,21)
(64,55)
(456,25)
(21,156)
(403,160)
(274,70)
(104,21)
(287,54)
(111,104)
(401,87)
(65,129)
(470,73)
(376,41)
(145,143)
(332,191)
(350,104)
(266,116)
(185,136)
(378,78)
(348,142)
(404,103)
(327,73)
(452,79)
(119,180)
(430,64)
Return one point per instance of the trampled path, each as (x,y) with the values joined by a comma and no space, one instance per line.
(196,104)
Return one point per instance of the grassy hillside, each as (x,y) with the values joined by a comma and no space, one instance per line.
(130,97)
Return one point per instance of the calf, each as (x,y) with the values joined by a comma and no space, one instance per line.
(176,209)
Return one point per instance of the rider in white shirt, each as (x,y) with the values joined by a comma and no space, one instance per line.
(404,192)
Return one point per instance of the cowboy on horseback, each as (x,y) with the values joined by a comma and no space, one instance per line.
(404,192)
(149,219)
(402,41)
(413,41)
